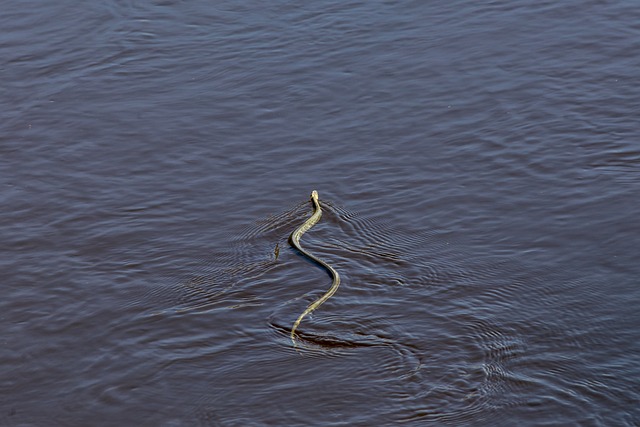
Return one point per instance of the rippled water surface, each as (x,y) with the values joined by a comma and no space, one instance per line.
(479,168)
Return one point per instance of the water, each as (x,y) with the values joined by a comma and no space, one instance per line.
(479,169)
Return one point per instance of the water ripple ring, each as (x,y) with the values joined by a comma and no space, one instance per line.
(294,239)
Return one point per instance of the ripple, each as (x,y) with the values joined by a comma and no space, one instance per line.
(217,281)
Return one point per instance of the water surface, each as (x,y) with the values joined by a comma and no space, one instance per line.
(478,165)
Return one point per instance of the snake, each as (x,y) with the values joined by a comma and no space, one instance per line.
(294,240)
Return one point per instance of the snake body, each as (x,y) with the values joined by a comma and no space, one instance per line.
(294,239)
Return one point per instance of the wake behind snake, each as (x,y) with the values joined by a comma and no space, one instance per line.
(294,239)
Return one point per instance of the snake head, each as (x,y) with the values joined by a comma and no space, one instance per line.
(314,195)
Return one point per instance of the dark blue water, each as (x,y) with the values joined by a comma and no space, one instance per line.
(479,169)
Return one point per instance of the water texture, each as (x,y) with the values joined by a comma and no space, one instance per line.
(479,168)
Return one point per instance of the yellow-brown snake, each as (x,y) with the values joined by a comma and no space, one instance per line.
(294,239)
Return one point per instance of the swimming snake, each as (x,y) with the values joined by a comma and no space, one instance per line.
(294,239)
